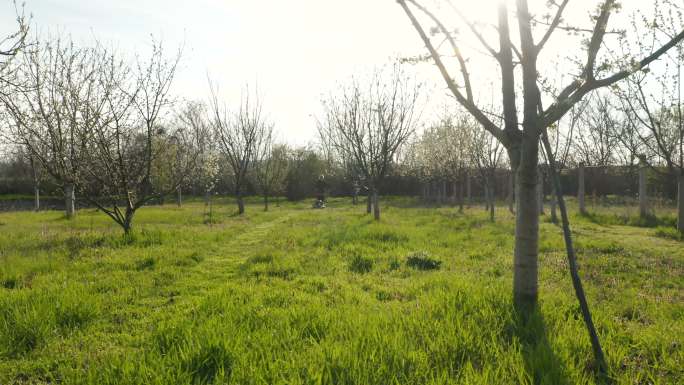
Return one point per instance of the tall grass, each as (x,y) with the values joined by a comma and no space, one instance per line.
(301,296)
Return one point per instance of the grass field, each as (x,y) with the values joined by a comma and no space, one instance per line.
(302,296)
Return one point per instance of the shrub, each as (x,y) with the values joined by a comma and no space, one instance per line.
(422,261)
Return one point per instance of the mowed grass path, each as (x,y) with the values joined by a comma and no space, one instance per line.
(302,296)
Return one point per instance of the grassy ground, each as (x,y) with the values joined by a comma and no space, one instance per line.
(302,296)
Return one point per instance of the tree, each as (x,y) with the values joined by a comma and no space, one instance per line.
(653,101)
(192,117)
(595,143)
(127,139)
(369,123)
(239,136)
(522,140)
(54,106)
(270,168)
(487,153)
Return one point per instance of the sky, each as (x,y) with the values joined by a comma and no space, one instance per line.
(292,51)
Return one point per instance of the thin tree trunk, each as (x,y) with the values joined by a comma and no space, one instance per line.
(179,197)
(69,200)
(525,278)
(36,197)
(643,199)
(460,195)
(572,262)
(240,202)
(581,189)
(492,198)
(511,192)
(468,189)
(376,205)
(369,202)
(265,202)
(540,192)
(680,203)
(552,201)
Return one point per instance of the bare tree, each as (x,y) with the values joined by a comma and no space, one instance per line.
(487,154)
(370,122)
(653,101)
(55,106)
(193,117)
(128,139)
(270,168)
(522,141)
(239,136)
(595,143)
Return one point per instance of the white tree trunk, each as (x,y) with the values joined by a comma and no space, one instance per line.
(36,197)
(69,200)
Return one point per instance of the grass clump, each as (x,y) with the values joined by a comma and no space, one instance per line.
(422,261)
(669,233)
(360,264)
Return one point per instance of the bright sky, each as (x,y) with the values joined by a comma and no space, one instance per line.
(292,50)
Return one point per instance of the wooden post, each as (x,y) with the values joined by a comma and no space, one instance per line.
(643,198)
(580,189)
(179,198)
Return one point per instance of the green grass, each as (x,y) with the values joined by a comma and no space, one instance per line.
(302,296)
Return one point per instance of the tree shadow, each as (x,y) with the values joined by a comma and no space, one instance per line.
(542,365)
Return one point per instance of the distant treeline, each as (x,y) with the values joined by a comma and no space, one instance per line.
(307,165)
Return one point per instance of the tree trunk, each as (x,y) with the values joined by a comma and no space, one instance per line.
(36,197)
(265,202)
(240,203)
(511,192)
(69,200)
(572,262)
(460,195)
(492,198)
(369,202)
(540,192)
(643,199)
(444,192)
(179,197)
(128,221)
(554,216)
(525,277)
(486,196)
(468,189)
(680,203)
(355,197)
(376,205)
(581,189)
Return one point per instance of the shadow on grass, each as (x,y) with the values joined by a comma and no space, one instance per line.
(542,365)
(628,220)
